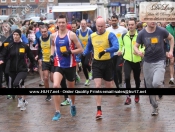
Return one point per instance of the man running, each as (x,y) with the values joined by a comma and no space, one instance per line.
(104,44)
(117,59)
(171,29)
(131,61)
(63,46)
(154,58)
(83,33)
(44,48)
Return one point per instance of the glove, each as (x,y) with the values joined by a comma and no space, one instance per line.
(101,54)
(67,53)
(52,59)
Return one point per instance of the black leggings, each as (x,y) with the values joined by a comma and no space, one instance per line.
(1,75)
(63,85)
(16,79)
(86,61)
(128,67)
(118,63)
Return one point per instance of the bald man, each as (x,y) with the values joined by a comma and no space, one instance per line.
(104,44)
(83,34)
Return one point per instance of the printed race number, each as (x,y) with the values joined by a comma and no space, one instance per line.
(63,49)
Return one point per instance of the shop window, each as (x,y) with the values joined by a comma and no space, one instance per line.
(4,11)
(3,1)
(13,11)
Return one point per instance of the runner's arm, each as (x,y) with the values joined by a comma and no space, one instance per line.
(114,44)
(52,43)
(75,40)
(171,42)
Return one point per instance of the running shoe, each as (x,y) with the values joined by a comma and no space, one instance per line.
(136,98)
(155,112)
(57,116)
(65,102)
(90,75)
(48,98)
(99,115)
(41,83)
(9,97)
(87,83)
(171,82)
(128,101)
(73,111)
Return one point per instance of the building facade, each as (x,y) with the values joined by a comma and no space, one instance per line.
(26,7)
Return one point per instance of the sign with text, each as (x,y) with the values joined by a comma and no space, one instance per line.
(157,11)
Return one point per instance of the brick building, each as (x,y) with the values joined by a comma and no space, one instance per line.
(35,7)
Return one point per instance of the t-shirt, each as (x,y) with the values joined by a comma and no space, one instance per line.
(118,32)
(154,44)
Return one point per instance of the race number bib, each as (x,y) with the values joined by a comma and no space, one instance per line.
(21,50)
(154,40)
(6,44)
(134,42)
(100,49)
(84,43)
(45,51)
(118,35)
(63,49)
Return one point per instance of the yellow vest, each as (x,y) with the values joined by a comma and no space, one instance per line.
(84,40)
(100,43)
(46,49)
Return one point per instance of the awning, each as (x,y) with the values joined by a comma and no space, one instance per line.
(74,8)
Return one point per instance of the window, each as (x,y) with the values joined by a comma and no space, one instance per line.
(41,0)
(13,11)
(32,0)
(13,0)
(3,1)
(23,0)
(42,10)
(50,0)
(4,12)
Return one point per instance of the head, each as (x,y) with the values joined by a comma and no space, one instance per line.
(109,21)
(139,26)
(78,22)
(114,21)
(74,26)
(5,27)
(164,24)
(100,25)
(159,24)
(151,24)
(40,24)
(123,24)
(17,35)
(173,23)
(123,20)
(26,23)
(132,25)
(62,22)
(44,31)
(83,24)
(88,23)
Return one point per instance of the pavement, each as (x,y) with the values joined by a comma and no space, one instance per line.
(117,117)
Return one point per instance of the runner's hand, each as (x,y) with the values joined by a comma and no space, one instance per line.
(101,54)
(119,53)
(1,62)
(67,53)
(170,54)
(52,59)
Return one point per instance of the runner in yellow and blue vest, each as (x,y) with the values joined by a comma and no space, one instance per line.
(131,60)
(44,51)
(104,44)
(83,34)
